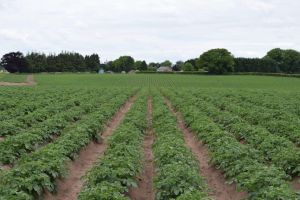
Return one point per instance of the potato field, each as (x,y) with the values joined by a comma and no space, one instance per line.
(146,137)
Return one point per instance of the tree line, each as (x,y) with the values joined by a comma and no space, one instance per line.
(39,62)
(220,61)
(276,61)
(214,61)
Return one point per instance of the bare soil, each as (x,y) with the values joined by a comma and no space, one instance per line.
(145,191)
(215,180)
(69,188)
(242,141)
(295,184)
(5,167)
(29,82)
(1,139)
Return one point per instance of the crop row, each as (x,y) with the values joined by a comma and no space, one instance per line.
(278,101)
(24,105)
(272,113)
(177,171)
(115,172)
(31,120)
(277,122)
(14,147)
(274,149)
(39,170)
(240,163)
(7,94)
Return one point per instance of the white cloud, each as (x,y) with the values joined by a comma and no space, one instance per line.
(153,30)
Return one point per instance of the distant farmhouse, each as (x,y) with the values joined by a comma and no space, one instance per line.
(164,69)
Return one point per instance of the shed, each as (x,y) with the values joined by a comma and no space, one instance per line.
(101,71)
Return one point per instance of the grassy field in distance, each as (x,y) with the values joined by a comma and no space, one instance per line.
(166,80)
(16,78)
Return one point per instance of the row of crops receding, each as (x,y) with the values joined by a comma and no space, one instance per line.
(258,160)
(38,171)
(251,136)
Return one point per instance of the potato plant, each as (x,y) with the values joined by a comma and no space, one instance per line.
(173,158)
(39,170)
(241,164)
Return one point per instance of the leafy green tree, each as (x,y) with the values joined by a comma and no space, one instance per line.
(178,66)
(276,55)
(194,63)
(140,65)
(109,66)
(188,67)
(14,62)
(288,60)
(217,61)
(153,66)
(166,63)
(124,63)
(291,61)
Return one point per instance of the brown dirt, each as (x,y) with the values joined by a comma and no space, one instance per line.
(242,141)
(1,139)
(5,167)
(29,82)
(295,184)
(68,188)
(144,191)
(218,189)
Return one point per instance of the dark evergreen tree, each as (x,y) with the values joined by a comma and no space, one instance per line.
(37,62)
(92,62)
(265,65)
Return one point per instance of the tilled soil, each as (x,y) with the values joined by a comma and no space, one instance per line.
(69,188)
(218,189)
(5,167)
(295,184)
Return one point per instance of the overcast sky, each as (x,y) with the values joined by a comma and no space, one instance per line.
(153,30)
